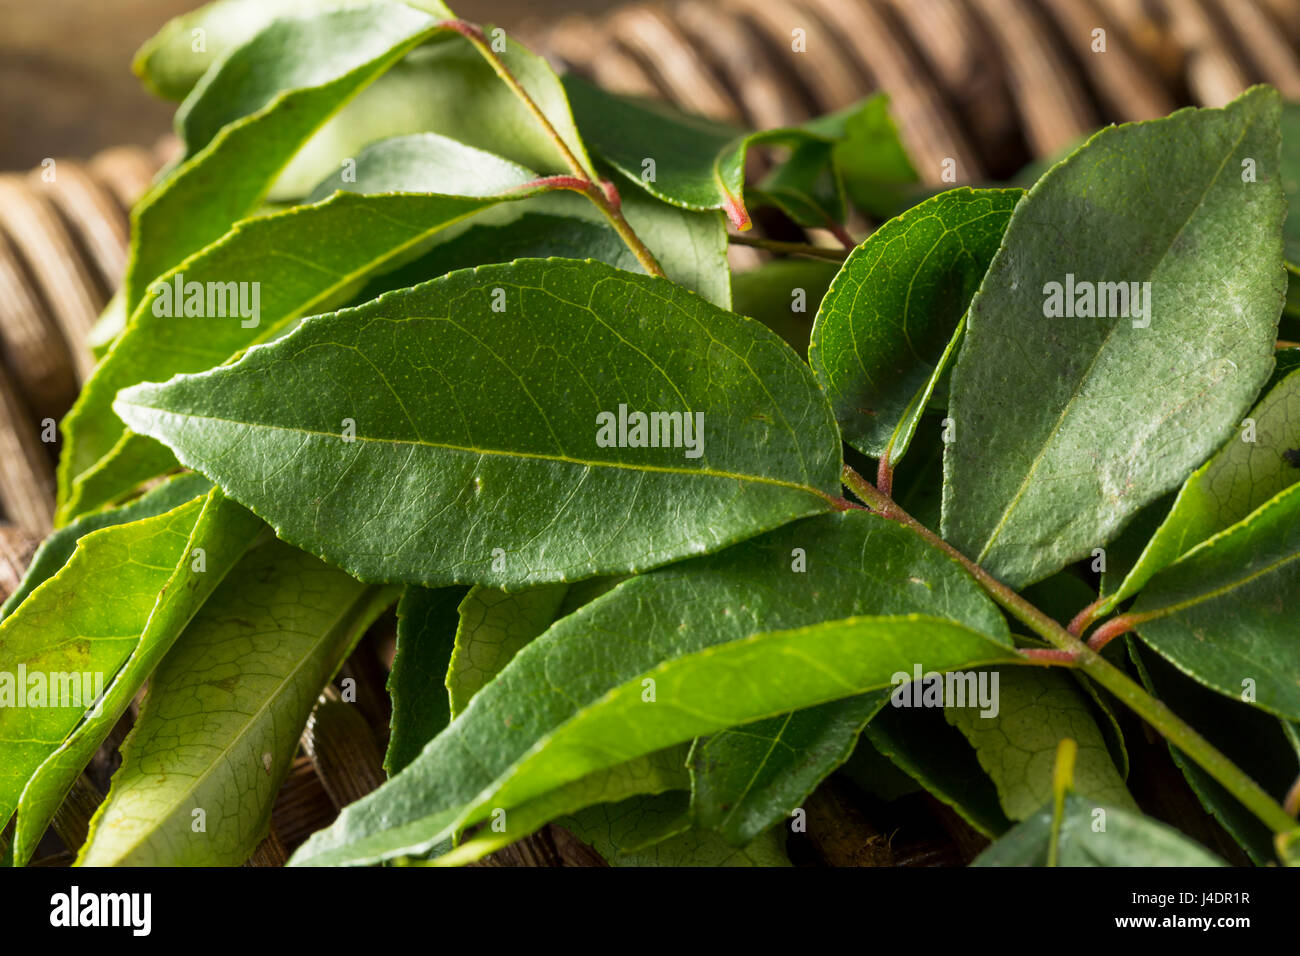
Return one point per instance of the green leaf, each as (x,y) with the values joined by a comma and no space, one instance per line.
(1290,124)
(691,247)
(494,626)
(243,124)
(699,163)
(1064,427)
(805,187)
(169,63)
(637,832)
(894,307)
(149,580)
(654,773)
(130,462)
(925,747)
(448,88)
(1128,839)
(1251,468)
(221,535)
(696,629)
(872,163)
(746,779)
(426,635)
(375,828)
(57,549)
(298,262)
(219,727)
(784,295)
(530,236)
(108,326)
(1224,615)
(1262,745)
(473,420)
(1036,709)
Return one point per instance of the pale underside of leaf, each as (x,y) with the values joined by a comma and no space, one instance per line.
(220,725)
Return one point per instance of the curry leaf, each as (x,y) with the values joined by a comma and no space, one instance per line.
(1065,426)
(1251,468)
(891,312)
(1223,615)
(151,576)
(489,402)
(494,626)
(699,163)
(1036,709)
(217,733)
(270,271)
(222,533)
(55,551)
(426,635)
(676,627)
(633,833)
(1092,834)
(248,118)
(174,59)
(386,823)
(871,161)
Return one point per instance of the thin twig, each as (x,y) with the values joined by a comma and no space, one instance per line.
(790,248)
(1083,620)
(603,195)
(1155,712)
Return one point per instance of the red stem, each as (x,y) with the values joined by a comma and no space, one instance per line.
(1083,620)
(885,475)
(1113,629)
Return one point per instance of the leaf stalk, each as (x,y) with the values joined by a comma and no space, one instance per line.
(790,248)
(603,195)
(1174,729)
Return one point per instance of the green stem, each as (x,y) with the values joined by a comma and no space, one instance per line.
(790,248)
(602,195)
(1062,781)
(1170,725)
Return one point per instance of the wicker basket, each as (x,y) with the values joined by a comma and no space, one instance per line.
(991,84)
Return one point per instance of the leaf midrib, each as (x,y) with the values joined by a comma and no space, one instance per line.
(1052,436)
(489,452)
(1218,592)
